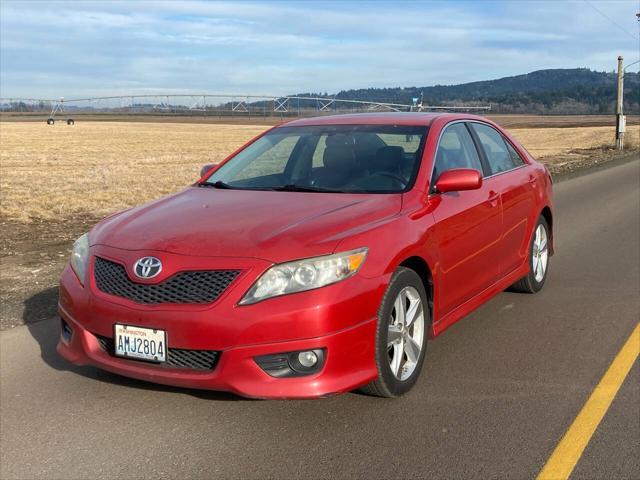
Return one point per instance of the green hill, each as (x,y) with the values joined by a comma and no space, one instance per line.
(567,91)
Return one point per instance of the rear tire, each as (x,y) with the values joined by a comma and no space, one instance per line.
(401,336)
(50,121)
(538,260)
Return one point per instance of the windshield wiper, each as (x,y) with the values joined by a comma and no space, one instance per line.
(283,188)
(218,184)
(301,188)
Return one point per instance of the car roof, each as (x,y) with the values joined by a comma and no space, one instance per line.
(384,118)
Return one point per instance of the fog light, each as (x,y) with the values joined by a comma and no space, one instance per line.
(292,364)
(307,359)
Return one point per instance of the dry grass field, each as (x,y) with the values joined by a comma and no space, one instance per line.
(95,168)
(56,182)
(547,143)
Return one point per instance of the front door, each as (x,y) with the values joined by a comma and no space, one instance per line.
(468,225)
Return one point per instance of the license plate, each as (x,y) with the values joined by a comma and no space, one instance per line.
(141,343)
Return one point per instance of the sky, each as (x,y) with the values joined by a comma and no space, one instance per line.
(50,49)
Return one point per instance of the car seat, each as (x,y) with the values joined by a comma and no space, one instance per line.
(339,162)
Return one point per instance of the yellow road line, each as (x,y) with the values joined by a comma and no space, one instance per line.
(569,450)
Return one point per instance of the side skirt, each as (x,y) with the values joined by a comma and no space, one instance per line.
(481,298)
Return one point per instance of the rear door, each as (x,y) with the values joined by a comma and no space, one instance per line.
(468,225)
(513,178)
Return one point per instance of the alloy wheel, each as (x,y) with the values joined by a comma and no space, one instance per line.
(540,253)
(405,338)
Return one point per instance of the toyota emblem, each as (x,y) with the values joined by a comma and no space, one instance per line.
(147,267)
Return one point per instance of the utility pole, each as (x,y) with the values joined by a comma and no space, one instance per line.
(620,120)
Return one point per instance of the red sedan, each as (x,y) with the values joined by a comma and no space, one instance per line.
(316,259)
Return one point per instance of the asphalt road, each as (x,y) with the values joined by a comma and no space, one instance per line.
(498,390)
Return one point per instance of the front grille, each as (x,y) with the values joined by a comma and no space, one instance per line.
(176,357)
(184,287)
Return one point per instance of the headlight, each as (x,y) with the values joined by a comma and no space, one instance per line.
(79,257)
(307,274)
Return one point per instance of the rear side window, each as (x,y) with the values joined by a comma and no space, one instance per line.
(456,150)
(495,149)
(515,156)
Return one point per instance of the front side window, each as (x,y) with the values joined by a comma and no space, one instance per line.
(335,158)
(456,150)
(495,148)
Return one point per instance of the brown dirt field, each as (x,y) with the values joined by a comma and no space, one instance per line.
(506,120)
(560,121)
(238,119)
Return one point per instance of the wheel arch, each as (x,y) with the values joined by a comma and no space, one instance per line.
(421,267)
(547,214)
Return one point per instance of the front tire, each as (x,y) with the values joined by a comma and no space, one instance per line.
(401,335)
(538,260)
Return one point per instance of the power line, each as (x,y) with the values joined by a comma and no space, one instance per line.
(610,19)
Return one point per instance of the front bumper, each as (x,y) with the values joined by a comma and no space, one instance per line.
(339,318)
(348,365)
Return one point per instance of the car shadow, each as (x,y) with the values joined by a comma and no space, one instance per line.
(41,318)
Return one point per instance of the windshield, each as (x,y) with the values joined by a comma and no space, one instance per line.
(328,158)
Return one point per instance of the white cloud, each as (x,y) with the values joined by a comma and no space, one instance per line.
(97,48)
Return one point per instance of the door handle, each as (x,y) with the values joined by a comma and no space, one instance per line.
(493,198)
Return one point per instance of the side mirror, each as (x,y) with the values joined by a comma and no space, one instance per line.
(205,169)
(459,179)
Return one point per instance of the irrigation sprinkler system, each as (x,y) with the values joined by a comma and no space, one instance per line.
(222,105)
(58,108)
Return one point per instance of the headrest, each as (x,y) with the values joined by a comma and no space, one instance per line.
(340,140)
(341,157)
(388,159)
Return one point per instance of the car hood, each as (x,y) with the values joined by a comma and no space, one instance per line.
(275,226)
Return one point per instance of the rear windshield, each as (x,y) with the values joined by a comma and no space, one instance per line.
(330,158)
